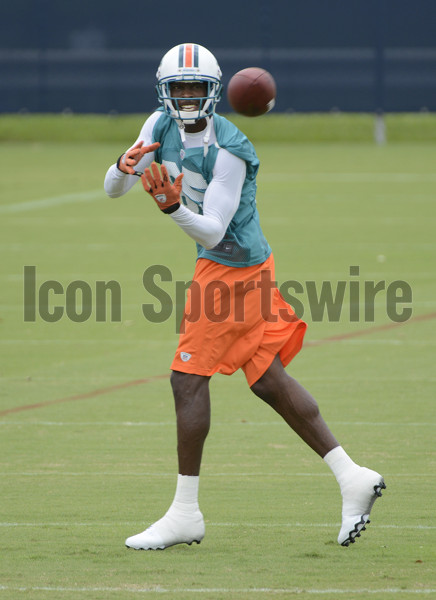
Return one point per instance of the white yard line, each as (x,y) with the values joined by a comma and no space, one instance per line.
(217,423)
(246,475)
(52,201)
(231,525)
(223,591)
(293,177)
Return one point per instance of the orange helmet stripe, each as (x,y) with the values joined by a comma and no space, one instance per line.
(188,55)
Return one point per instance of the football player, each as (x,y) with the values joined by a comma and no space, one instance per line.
(206,185)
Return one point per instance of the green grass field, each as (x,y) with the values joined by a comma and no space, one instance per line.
(86,415)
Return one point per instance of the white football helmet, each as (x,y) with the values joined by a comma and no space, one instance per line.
(189,62)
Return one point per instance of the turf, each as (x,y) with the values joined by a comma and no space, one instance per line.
(93,460)
(295,127)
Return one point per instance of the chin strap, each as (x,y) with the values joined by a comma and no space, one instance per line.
(182,131)
(207,136)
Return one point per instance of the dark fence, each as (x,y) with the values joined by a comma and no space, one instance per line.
(101,56)
(323,79)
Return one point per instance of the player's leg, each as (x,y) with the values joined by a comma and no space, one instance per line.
(359,486)
(183,522)
(192,403)
(296,406)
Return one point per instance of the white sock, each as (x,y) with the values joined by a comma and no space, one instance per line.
(186,497)
(340,463)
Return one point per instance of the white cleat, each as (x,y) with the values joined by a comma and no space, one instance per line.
(358,497)
(175,527)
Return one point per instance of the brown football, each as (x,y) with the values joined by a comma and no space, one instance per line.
(252,92)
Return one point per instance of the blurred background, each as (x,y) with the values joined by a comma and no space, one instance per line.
(336,55)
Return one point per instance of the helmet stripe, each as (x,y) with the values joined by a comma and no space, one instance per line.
(188,55)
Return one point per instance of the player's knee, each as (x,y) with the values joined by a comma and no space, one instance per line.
(188,384)
(176,381)
(181,381)
(270,383)
(262,389)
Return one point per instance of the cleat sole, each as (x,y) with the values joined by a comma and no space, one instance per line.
(356,532)
(163,547)
(378,488)
(360,525)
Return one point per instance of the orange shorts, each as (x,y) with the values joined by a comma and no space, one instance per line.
(236,318)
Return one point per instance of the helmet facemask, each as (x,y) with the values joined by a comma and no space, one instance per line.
(189,63)
(174,106)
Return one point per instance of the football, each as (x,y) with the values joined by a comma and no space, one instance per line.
(252,92)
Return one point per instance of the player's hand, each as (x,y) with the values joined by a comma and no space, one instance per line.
(158,185)
(131,158)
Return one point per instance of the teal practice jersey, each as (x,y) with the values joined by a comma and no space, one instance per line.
(243,243)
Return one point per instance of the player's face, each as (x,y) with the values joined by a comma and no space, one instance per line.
(185,91)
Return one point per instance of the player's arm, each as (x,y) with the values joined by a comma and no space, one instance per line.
(221,200)
(122,175)
(129,161)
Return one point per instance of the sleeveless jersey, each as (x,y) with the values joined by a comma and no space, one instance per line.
(243,243)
